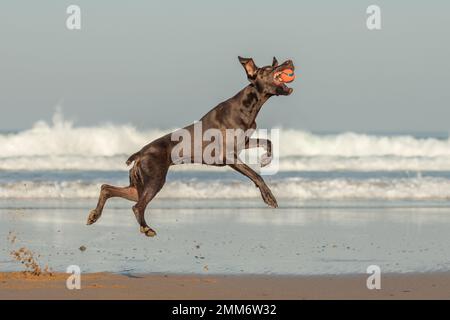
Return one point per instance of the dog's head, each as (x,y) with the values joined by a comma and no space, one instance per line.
(266,79)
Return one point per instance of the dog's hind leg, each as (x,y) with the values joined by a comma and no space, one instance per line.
(153,171)
(106,192)
(151,189)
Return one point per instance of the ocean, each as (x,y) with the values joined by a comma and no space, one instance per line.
(63,161)
(346,201)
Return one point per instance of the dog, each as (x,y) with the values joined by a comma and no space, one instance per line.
(152,162)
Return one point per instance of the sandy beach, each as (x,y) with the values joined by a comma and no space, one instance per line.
(192,287)
(209,238)
(300,251)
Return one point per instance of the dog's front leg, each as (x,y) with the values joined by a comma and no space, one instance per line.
(266,144)
(266,194)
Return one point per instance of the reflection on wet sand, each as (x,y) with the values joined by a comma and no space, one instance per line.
(211,237)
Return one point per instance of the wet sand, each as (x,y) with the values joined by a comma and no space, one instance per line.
(15,285)
(215,239)
(218,252)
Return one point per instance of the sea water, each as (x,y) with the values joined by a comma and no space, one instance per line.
(346,201)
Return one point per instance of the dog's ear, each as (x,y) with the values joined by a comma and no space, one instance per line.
(249,66)
(274,62)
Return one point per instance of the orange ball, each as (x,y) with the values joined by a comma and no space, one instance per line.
(287,75)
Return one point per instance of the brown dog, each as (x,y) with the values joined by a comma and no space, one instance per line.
(151,163)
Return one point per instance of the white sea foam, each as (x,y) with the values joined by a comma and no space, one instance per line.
(360,145)
(62,138)
(426,188)
(319,163)
(63,146)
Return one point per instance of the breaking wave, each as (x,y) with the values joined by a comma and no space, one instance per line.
(62,146)
(417,188)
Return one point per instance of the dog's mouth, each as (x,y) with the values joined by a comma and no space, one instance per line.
(280,82)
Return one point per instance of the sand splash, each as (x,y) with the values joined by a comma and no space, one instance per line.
(30,261)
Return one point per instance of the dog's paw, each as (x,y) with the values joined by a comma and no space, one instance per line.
(269,198)
(149,232)
(93,217)
(265,160)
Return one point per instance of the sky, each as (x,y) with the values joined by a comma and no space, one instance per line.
(163,64)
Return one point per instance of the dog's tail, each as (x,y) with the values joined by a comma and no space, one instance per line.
(132,158)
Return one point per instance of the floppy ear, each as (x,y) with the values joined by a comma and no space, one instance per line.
(249,66)
(274,62)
